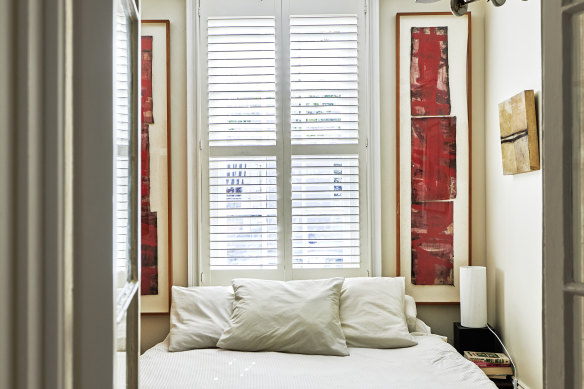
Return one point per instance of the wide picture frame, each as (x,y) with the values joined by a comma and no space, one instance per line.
(155,171)
(433,153)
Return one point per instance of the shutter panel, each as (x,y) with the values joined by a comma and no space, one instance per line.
(325,211)
(121,144)
(324,80)
(243,212)
(241,64)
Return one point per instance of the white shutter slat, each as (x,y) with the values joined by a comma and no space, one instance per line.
(241,80)
(325,211)
(243,212)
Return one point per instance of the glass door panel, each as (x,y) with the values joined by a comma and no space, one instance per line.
(126,190)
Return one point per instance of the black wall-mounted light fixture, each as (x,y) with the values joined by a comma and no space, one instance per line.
(459,7)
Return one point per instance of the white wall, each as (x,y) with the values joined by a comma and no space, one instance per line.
(514,203)
(440,318)
(155,327)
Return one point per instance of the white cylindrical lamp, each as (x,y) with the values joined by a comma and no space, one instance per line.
(473,296)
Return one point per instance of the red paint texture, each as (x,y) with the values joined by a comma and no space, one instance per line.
(432,243)
(430,92)
(148,219)
(433,158)
(146,82)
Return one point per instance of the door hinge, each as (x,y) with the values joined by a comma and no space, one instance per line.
(200,144)
(365,6)
(366,142)
(201,279)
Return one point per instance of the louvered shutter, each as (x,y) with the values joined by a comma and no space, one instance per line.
(282,144)
(243,212)
(324,80)
(241,81)
(121,143)
(325,211)
(324,106)
(241,78)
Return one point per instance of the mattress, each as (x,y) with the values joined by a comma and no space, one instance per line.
(433,363)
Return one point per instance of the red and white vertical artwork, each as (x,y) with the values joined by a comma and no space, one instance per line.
(148,219)
(433,158)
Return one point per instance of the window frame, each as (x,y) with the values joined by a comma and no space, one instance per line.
(368,150)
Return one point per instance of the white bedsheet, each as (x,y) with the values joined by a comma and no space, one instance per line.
(433,363)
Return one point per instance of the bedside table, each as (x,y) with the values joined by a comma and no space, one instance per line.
(478,339)
(475,339)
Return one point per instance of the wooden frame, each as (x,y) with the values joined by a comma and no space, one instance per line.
(162,306)
(442,296)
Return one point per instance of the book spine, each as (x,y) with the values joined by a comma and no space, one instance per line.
(488,364)
(489,360)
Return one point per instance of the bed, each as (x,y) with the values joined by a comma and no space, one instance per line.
(314,334)
(433,363)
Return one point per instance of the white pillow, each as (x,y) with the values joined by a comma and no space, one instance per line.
(372,313)
(295,316)
(198,316)
(411,312)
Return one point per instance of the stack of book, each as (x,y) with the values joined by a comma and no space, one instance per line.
(494,365)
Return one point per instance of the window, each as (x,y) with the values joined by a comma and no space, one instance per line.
(283,139)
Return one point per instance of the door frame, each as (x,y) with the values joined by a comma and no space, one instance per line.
(560,227)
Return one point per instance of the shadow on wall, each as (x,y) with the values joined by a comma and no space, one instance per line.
(499,297)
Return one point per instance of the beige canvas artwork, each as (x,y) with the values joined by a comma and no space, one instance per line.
(519,141)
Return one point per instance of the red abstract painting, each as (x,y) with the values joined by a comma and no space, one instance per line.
(146,82)
(430,91)
(148,219)
(433,158)
(432,243)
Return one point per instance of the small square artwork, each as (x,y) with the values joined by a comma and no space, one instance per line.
(519,140)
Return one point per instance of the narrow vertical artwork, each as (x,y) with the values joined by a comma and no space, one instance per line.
(149,220)
(433,243)
(433,159)
(430,90)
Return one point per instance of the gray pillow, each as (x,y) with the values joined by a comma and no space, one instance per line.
(294,316)
(198,316)
(372,313)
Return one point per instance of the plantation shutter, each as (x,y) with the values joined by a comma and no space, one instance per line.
(283,140)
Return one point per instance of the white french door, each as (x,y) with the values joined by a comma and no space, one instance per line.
(563,172)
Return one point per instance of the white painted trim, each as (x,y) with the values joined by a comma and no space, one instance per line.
(38,174)
(94,295)
(58,200)
(8,44)
(192,149)
(557,200)
(28,201)
(374,190)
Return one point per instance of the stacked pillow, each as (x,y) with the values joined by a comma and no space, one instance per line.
(308,317)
